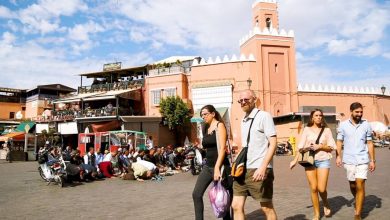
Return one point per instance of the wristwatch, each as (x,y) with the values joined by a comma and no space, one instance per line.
(373,161)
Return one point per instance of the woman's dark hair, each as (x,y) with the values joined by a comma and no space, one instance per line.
(311,123)
(355,105)
(211,109)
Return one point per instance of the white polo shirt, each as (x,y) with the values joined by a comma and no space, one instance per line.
(263,127)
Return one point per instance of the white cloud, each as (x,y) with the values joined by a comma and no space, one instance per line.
(80,32)
(202,25)
(372,50)
(5,12)
(358,23)
(386,55)
(44,17)
(8,38)
(340,47)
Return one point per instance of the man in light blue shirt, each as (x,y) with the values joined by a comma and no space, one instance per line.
(358,156)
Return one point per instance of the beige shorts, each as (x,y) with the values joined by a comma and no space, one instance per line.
(261,191)
(356,171)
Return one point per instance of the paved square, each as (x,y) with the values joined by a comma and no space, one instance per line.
(23,195)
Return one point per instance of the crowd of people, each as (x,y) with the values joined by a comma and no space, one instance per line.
(127,163)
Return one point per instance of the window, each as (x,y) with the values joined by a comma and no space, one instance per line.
(170,92)
(156,97)
(23,108)
(268,23)
(12,115)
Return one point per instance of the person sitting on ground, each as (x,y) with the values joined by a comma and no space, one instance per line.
(124,159)
(149,143)
(90,165)
(151,166)
(66,153)
(141,172)
(99,157)
(73,169)
(113,159)
(105,166)
(146,156)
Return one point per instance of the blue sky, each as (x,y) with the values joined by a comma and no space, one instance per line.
(52,41)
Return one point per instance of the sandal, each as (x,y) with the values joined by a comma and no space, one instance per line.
(327,212)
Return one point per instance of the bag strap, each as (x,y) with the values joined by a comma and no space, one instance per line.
(218,145)
(319,135)
(249,131)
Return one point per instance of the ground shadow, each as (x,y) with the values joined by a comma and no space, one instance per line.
(336,203)
(297,217)
(259,215)
(371,202)
(255,215)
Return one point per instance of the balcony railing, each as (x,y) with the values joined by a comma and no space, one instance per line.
(166,70)
(71,115)
(133,84)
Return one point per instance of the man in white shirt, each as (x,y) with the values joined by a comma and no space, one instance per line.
(257,127)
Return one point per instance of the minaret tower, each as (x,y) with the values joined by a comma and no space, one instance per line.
(265,15)
(274,76)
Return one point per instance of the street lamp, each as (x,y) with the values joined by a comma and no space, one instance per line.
(249,82)
(383,88)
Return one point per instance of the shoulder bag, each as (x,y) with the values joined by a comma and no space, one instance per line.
(306,159)
(239,165)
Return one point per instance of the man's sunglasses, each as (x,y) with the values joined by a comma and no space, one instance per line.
(241,101)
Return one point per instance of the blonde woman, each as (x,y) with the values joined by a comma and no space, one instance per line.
(317,175)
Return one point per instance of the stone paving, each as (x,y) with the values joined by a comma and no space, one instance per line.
(23,195)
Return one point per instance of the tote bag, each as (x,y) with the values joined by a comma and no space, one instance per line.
(306,159)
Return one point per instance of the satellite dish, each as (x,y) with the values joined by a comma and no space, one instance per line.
(19,115)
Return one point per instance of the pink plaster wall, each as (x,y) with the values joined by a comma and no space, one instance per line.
(375,107)
(178,81)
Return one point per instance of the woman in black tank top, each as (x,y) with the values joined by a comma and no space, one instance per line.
(214,160)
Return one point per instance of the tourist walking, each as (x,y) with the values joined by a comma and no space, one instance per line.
(317,175)
(214,132)
(259,176)
(355,135)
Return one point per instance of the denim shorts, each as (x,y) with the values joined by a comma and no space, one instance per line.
(322,163)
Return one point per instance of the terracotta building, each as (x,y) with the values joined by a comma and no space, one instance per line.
(266,64)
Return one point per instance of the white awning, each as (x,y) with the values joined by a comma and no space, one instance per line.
(76,98)
(113,94)
(40,127)
(67,128)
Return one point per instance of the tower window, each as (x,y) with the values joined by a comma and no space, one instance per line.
(276,67)
(268,22)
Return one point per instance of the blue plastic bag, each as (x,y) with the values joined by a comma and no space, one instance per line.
(219,199)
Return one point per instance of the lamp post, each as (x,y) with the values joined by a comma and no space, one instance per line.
(383,88)
(249,82)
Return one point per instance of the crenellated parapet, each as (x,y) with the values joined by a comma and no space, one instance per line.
(265,1)
(266,32)
(340,89)
(225,59)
